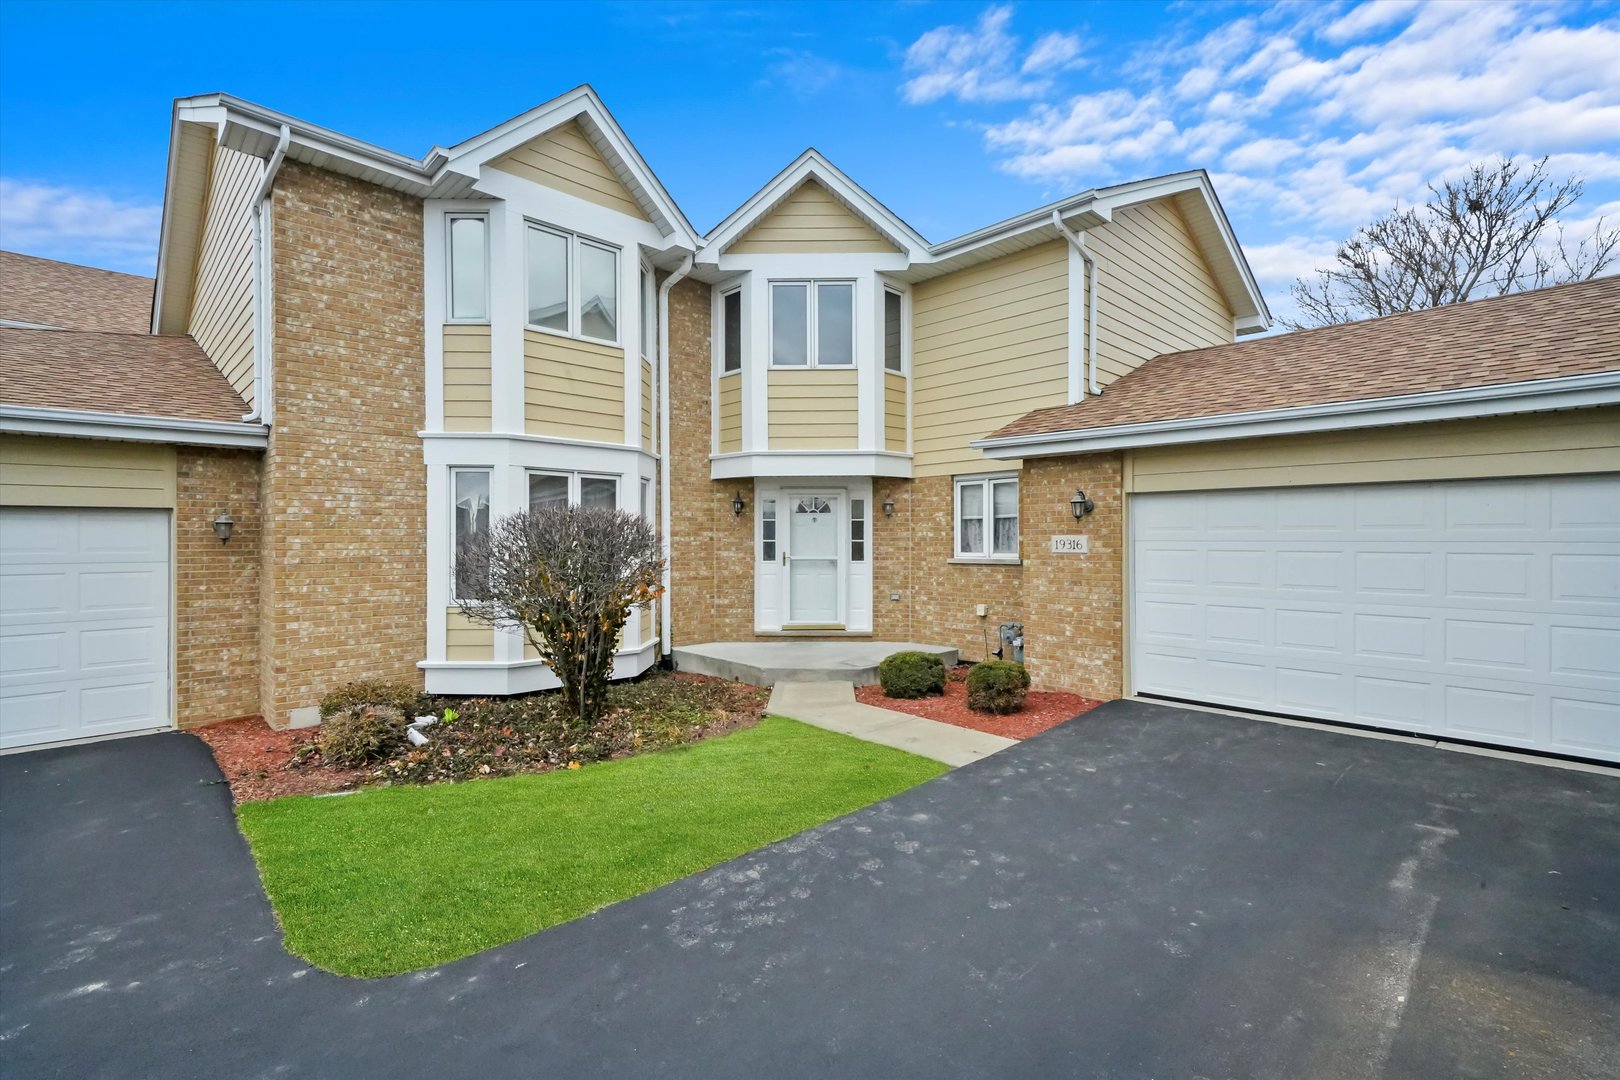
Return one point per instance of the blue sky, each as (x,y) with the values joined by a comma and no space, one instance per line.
(1312,118)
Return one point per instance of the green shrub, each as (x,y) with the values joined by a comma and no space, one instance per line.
(399,695)
(912,675)
(997,686)
(362,735)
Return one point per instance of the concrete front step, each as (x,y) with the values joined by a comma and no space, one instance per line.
(766,663)
(832,705)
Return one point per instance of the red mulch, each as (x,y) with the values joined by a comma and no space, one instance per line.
(258,761)
(1043,709)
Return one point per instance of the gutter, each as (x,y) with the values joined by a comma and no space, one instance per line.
(78,423)
(1499,399)
(664,462)
(261,282)
(1078,242)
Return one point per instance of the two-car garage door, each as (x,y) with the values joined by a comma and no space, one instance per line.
(84,623)
(1479,610)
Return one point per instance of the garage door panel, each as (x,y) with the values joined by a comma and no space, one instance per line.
(1475,609)
(122,593)
(35,717)
(24,595)
(121,706)
(34,656)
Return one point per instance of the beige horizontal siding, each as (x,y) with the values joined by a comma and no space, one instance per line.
(813,409)
(221,317)
(1156,293)
(1585,440)
(809,220)
(989,344)
(187,199)
(467,399)
(730,413)
(566,160)
(42,471)
(894,411)
(465,640)
(573,389)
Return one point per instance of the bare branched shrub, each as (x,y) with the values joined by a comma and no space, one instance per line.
(568,577)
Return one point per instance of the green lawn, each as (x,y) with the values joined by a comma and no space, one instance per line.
(395,879)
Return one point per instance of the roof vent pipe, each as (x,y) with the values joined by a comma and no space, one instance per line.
(1078,242)
(261,281)
(664,463)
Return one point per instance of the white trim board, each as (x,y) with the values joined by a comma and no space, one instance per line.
(73,423)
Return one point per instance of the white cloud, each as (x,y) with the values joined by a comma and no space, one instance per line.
(984,62)
(802,73)
(78,225)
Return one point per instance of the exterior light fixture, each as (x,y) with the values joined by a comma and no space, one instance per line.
(888,507)
(223,526)
(737,504)
(1080,504)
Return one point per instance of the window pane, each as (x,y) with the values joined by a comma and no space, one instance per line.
(471,497)
(598,492)
(547,490)
(790,325)
(1004,505)
(548,280)
(467,291)
(891,330)
(767,530)
(1005,499)
(835,325)
(598,293)
(646,499)
(970,530)
(731,317)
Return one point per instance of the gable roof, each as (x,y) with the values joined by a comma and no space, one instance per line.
(1562,332)
(130,374)
(46,293)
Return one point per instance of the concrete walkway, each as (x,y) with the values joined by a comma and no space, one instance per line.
(832,705)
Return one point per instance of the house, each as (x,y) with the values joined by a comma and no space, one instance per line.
(352,357)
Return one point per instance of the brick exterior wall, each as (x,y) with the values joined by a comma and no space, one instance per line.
(343,580)
(947,593)
(216,610)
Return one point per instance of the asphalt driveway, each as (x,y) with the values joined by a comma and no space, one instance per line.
(1145,892)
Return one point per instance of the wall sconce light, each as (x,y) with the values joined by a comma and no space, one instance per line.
(1080,504)
(737,504)
(223,526)
(888,507)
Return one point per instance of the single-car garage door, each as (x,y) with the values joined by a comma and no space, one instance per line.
(1480,610)
(84,623)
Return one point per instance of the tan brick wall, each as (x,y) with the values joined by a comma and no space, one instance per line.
(343,580)
(216,610)
(948,593)
(1074,604)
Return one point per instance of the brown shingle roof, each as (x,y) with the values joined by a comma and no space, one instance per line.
(132,374)
(1563,330)
(73,297)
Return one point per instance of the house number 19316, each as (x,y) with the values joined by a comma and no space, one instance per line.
(1070,545)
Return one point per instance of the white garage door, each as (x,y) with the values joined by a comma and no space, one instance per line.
(1487,611)
(84,624)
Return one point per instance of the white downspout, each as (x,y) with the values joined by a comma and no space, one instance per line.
(1089,353)
(664,463)
(261,282)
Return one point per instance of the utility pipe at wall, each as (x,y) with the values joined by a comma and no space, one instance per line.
(664,463)
(1089,347)
(261,282)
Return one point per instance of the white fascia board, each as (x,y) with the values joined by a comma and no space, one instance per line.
(74,423)
(801,464)
(1502,399)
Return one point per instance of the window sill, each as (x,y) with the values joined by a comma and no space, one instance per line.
(984,562)
(809,367)
(466,322)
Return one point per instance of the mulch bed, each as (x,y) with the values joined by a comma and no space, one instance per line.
(1043,709)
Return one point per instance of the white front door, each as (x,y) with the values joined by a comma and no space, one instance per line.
(814,558)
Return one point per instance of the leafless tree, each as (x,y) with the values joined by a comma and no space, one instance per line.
(1495,230)
(568,577)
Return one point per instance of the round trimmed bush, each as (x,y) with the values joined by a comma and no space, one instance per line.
(997,686)
(912,675)
(362,735)
(399,695)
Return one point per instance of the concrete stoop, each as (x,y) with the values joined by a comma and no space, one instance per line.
(766,663)
(832,705)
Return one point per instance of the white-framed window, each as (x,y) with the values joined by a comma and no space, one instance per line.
(646,499)
(731,349)
(469,499)
(573,284)
(894,321)
(812,323)
(549,488)
(987,517)
(857,530)
(767,530)
(467,256)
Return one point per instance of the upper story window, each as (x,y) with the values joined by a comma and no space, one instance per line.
(731,331)
(893,331)
(573,285)
(987,517)
(812,323)
(469,267)
(648,315)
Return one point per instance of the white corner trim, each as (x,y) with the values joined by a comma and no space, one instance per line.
(1501,399)
(74,423)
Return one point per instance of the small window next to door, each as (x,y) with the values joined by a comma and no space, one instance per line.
(767,530)
(857,530)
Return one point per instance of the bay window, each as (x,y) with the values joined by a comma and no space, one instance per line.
(987,518)
(468,279)
(573,285)
(893,330)
(731,332)
(469,495)
(549,489)
(812,323)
